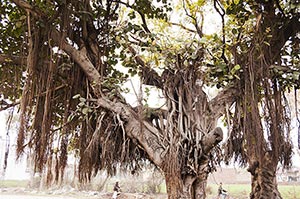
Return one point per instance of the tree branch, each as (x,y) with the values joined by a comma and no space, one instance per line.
(144,25)
(283,34)
(132,124)
(4,105)
(182,26)
(146,137)
(221,11)
(81,58)
(210,140)
(218,104)
(199,29)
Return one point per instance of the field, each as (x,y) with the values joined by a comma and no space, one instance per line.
(241,191)
(17,190)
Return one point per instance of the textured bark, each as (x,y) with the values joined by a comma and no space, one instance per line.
(199,185)
(212,139)
(263,179)
(175,187)
(188,186)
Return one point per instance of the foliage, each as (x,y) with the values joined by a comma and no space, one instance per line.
(12,34)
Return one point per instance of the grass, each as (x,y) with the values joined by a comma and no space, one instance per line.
(290,191)
(242,190)
(234,190)
(13,183)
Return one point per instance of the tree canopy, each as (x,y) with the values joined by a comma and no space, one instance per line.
(63,61)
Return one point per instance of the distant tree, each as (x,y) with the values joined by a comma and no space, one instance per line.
(63,60)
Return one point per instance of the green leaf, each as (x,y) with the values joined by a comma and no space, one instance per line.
(234,31)
(237,67)
(236,2)
(19,24)
(200,3)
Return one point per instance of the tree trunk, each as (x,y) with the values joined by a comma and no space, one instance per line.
(200,183)
(263,180)
(187,186)
(178,188)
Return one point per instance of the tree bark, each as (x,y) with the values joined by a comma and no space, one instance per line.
(199,185)
(179,187)
(176,188)
(263,179)
(188,186)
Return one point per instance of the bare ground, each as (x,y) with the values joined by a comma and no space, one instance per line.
(18,193)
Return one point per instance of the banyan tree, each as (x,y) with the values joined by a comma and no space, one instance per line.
(63,62)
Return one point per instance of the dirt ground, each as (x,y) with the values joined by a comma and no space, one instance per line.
(17,193)
(41,196)
(69,193)
(18,196)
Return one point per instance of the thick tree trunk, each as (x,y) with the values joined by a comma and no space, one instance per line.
(177,188)
(188,186)
(199,185)
(264,183)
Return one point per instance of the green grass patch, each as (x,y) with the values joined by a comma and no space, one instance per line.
(243,190)
(290,191)
(13,183)
(234,190)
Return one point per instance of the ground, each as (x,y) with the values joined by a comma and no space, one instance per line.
(21,193)
(236,191)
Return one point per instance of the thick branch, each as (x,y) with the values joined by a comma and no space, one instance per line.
(147,137)
(212,139)
(218,104)
(81,58)
(282,35)
(132,124)
(126,112)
